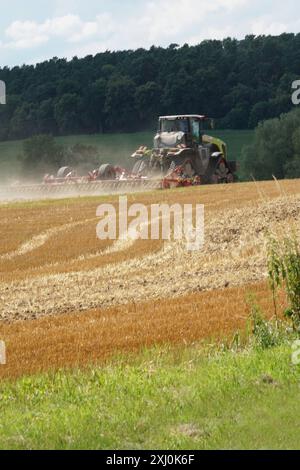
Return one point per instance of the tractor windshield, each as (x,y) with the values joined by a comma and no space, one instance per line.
(196,131)
(175,125)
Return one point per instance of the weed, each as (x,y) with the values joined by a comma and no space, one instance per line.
(265,333)
(284,271)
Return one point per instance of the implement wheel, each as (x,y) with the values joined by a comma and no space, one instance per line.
(64,171)
(106,172)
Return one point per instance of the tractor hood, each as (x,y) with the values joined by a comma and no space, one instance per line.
(168,139)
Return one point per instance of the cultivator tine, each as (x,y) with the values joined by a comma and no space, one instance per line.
(78,188)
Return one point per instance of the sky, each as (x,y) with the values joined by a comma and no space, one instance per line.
(34,31)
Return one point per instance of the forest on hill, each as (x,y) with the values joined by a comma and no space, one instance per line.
(238,82)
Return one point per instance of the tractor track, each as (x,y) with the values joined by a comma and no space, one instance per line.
(39,240)
(234,254)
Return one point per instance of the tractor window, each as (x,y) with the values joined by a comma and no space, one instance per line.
(196,131)
(183,125)
(175,125)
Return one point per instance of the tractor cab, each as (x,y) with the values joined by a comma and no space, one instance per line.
(184,130)
(188,132)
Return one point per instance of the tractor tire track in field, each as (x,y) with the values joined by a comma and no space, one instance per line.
(39,240)
(127,241)
(234,254)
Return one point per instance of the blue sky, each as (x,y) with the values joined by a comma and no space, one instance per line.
(33,31)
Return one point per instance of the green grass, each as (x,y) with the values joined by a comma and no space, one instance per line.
(9,159)
(176,399)
(114,148)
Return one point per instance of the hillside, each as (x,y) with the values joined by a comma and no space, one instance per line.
(238,82)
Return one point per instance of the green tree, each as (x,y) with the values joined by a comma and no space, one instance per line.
(93,108)
(238,82)
(24,121)
(276,148)
(120,104)
(260,112)
(147,100)
(67,113)
(45,116)
(42,155)
(83,157)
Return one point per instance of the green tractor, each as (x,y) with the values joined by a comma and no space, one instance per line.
(181,142)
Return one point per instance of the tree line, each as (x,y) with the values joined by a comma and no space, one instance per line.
(240,83)
(275,150)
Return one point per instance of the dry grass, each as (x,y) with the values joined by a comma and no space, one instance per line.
(113,297)
(97,335)
(234,254)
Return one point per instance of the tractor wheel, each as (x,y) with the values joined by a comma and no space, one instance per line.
(64,171)
(106,172)
(222,174)
(230,178)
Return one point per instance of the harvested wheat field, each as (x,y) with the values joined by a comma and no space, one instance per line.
(67,298)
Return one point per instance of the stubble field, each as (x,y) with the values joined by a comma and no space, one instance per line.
(67,298)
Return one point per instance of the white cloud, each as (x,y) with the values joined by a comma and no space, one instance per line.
(167,19)
(266,26)
(102,27)
(28,34)
(122,25)
(24,34)
(159,21)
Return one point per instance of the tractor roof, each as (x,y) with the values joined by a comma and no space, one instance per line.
(185,116)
